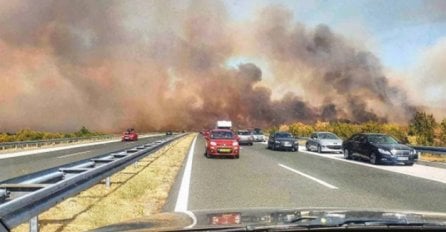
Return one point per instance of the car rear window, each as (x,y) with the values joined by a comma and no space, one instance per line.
(222,135)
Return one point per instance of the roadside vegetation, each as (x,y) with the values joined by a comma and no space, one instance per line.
(27,135)
(422,130)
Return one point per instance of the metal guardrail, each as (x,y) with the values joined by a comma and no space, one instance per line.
(39,143)
(23,198)
(432,150)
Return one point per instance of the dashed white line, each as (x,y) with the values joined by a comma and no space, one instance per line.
(309,177)
(183,194)
(419,171)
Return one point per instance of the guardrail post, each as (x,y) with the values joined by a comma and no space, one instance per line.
(107,182)
(34,224)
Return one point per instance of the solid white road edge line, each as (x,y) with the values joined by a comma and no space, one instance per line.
(384,168)
(309,177)
(183,194)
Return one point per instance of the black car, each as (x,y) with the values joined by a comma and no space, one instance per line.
(282,141)
(378,148)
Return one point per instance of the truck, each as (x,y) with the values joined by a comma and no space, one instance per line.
(224,125)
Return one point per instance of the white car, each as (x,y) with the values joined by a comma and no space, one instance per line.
(324,142)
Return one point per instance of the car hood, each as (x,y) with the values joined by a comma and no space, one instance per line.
(392,146)
(223,142)
(210,219)
(330,141)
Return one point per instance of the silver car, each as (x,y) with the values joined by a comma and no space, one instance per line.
(324,142)
(246,137)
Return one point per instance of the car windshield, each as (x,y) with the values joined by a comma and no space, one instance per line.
(222,135)
(381,139)
(327,136)
(283,135)
(244,133)
(116,110)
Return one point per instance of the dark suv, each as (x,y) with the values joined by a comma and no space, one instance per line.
(378,148)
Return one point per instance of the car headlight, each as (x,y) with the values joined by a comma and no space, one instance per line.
(213,143)
(235,143)
(384,152)
(413,152)
(277,141)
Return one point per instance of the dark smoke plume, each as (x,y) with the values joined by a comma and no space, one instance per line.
(156,65)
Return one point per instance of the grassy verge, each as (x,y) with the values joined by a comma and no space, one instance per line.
(137,191)
(433,157)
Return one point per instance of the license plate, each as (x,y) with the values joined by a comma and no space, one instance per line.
(224,150)
(403,158)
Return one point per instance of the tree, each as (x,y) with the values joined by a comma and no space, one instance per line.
(422,126)
(443,132)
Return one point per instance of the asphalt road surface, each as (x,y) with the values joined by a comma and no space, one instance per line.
(265,178)
(21,165)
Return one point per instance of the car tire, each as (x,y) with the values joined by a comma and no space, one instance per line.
(408,164)
(237,156)
(274,147)
(307,146)
(319,149)
(251,144)
(347,154)
(373,159)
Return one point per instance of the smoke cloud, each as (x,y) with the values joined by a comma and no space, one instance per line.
(157,65)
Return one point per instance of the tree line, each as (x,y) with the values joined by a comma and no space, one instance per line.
(421,130)
(28,134)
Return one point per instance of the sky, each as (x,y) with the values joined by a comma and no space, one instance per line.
(186,64)
(396,31)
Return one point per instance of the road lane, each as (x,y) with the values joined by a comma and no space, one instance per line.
(257,180)
(17,166)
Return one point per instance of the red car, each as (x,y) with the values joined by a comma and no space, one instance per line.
(222,142)
(129,135)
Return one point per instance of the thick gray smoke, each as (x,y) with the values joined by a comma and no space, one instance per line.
(157,65)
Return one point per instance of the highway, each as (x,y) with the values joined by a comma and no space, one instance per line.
(13,166)
(265,178)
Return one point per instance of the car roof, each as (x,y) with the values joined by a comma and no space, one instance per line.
(367,134)
(323,132)
(282,132)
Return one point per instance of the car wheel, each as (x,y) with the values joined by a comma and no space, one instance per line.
(408,164)
(373,159)
(237,156)
(274,147)
(347,154)
(319,149)
(307,146)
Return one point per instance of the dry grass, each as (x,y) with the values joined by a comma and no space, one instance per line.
(135,192)
(433,157)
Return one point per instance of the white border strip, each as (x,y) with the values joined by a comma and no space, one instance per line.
(309,177)
(183,194)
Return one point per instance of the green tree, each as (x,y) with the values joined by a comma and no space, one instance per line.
(422,126)
(443,132)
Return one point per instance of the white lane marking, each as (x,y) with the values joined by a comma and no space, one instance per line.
(183,194)
(309,177)
(420,171)
(73,154)
(64,147)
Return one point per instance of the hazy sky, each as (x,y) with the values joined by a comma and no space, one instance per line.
(397,31)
